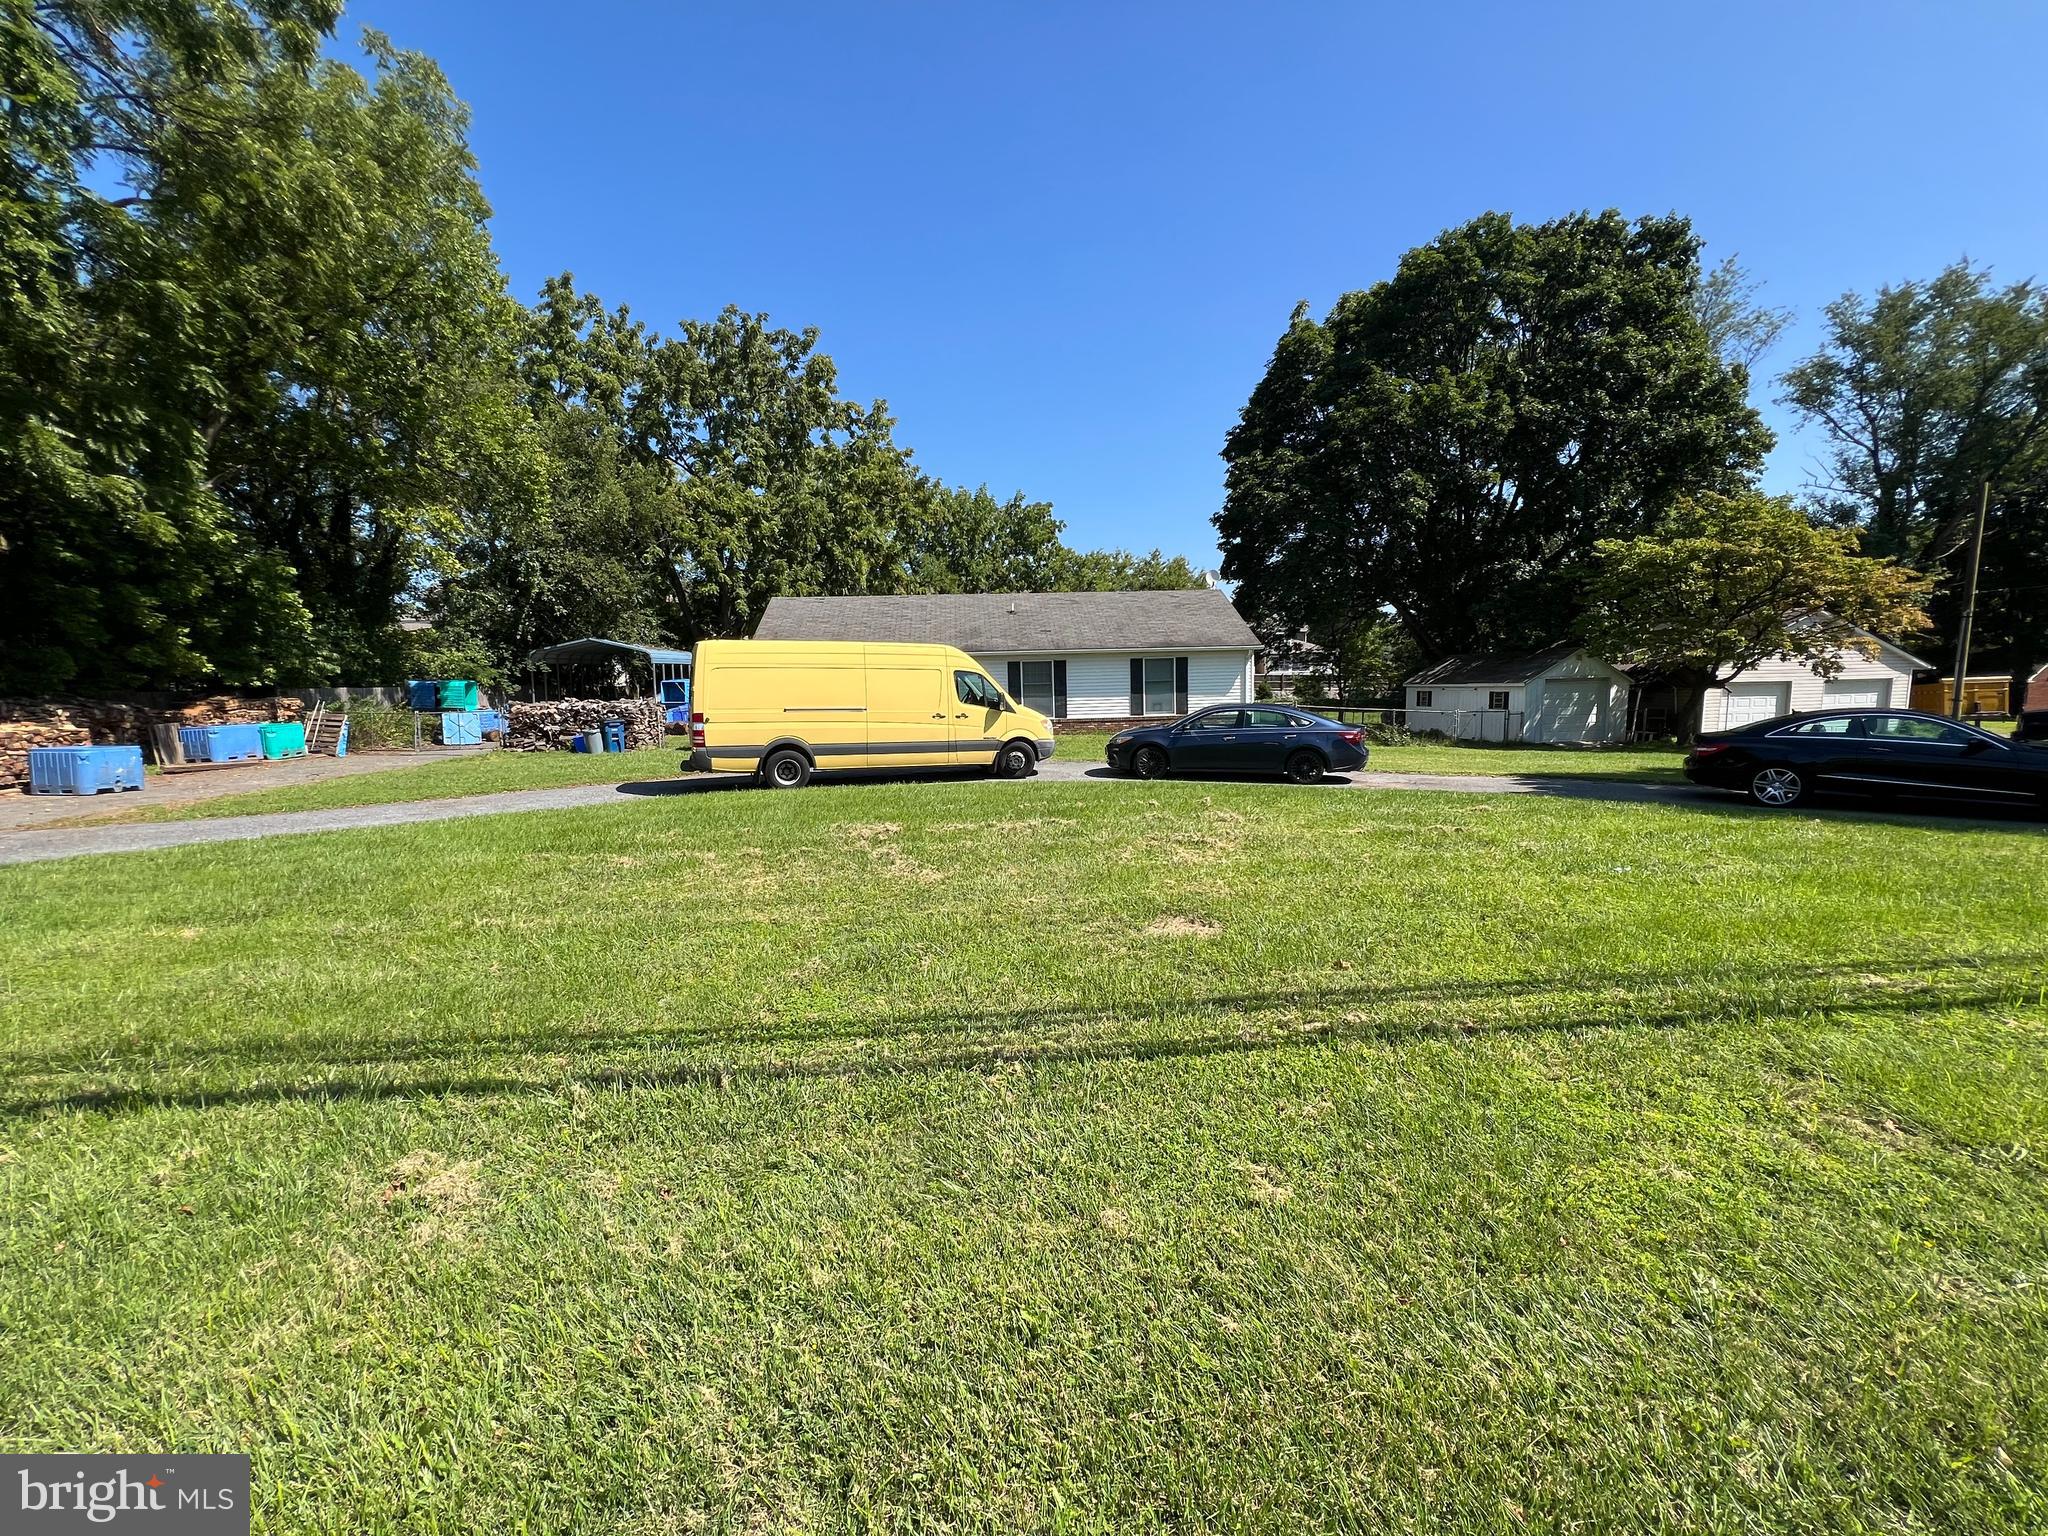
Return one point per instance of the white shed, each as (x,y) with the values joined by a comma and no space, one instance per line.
(1785,686)
(1562,694)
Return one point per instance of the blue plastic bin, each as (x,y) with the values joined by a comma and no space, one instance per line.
(461,728)
(586,741)
(457,694)
(680,715)
(83,770)
(220,743)
(422,693)
(615,735)
(675,691)
(492,720)
(341,739)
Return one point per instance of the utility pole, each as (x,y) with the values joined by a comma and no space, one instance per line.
(1955,703)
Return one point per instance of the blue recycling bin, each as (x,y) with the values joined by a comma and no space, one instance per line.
(220,743)
(615,735)
(83,770)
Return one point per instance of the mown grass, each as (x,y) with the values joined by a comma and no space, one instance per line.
(1162,1157)
(491,772)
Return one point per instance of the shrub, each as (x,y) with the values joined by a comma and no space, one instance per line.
(372,725)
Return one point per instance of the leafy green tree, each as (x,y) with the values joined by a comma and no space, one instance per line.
(959,540)
(1118,570)
(1739,326)
(1926,392)
(1450,444)
(119,565)
(251,395)
(1729,581)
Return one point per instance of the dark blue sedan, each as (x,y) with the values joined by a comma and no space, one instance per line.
(1232,739)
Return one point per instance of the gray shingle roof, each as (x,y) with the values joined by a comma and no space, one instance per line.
(1201,619)
(1469,670)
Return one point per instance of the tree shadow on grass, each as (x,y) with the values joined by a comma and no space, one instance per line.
(991,1039)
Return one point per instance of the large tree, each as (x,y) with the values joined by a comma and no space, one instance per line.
(1925,393)
(259,364)
(1726,582)
(119,566)
(1450,444)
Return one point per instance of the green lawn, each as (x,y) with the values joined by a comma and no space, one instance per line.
(489,772)
(1169,1157)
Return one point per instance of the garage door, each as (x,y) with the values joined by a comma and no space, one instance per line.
(1571,711)
(1857,693)
(1750,702)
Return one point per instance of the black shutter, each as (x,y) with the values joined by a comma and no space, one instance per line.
(1017,681)
(1180,685)
(1059,690)
(1137,685)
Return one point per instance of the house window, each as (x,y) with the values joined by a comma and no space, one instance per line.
(1159,690)
(1035,686)
(1424,697)
(1497,699)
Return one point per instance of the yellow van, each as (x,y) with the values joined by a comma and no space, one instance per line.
(785,709)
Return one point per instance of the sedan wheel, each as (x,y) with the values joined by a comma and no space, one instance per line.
(1777,787)
(1149,763)
(1304,768)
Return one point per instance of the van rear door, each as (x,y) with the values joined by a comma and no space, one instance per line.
(909,721)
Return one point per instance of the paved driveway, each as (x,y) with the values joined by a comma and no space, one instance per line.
(31,847)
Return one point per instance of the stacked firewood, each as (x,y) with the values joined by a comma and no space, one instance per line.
(75,722)
(548,727)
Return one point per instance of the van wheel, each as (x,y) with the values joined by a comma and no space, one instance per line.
(1016,760)
(786,769)
(1149,763)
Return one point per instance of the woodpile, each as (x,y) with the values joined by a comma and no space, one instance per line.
(548,727)
(75,722)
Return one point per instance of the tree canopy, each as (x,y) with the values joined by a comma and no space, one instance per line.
(1926,392)
(1450,444)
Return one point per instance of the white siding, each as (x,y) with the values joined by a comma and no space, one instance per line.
(1808,690)
(1462,711)
(1099,684)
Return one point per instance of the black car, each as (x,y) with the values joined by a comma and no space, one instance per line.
(1885,752)
(1263,738)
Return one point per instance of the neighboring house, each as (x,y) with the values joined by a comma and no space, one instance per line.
(1562,694)
(1073,655)
(1291,661)
(2036,696)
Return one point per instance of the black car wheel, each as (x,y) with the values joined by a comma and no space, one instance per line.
(1016,760)
(786,769)
(1304,768)
(1777,786)
(1148,762)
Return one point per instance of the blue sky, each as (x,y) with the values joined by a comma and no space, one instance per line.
(1061,239)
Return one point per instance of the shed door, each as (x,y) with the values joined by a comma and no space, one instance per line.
(1751,702)
(1571,710)
(1856,693)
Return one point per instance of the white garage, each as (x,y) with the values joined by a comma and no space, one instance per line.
(1784,686)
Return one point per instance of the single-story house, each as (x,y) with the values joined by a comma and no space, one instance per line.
(1097,656)
(1562,694)
(2036,696)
